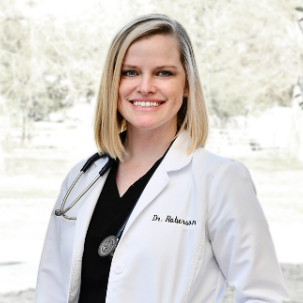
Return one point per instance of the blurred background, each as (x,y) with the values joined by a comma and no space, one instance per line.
(250,57)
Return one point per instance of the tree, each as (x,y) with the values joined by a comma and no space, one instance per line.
(248,55)
(41,65)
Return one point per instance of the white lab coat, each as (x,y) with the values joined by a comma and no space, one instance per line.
(197,224)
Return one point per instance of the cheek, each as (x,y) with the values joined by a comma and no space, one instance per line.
(179,96)
(120,92)
(126,88)
(122,89)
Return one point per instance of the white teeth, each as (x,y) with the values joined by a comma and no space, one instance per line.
(146,104)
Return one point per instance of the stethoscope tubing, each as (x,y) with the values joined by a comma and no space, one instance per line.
(62,210)
(89,162)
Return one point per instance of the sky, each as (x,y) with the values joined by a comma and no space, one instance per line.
(58,8)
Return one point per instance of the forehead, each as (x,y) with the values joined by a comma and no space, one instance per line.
(158,47)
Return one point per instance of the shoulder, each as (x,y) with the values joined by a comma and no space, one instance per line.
(75,170)
(217,165)
(222,172)
(99,163)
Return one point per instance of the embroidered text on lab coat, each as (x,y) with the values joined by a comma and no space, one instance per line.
(170,219)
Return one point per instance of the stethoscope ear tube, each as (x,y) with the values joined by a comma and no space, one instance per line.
(106,166)
(89,162)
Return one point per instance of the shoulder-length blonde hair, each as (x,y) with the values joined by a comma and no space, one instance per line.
(192,115)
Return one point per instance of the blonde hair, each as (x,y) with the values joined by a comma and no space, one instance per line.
(192,115)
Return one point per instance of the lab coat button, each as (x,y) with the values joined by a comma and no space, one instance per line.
(118,269)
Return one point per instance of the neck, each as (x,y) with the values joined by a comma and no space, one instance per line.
(148,145)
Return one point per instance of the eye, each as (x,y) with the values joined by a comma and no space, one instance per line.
(164,73)
(129,73)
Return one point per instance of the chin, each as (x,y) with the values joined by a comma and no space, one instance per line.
(151,124)
(144,127)
(143,124)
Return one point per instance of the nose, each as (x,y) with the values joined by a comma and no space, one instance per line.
(146,85)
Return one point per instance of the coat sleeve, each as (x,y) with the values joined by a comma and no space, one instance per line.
(240,238)
(50,286)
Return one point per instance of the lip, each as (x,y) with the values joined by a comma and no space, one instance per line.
(146,100)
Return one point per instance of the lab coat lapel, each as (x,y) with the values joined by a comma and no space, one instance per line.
(175,159)
(86,209)
(83,219)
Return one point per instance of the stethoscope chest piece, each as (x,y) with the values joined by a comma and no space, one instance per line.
(108,246)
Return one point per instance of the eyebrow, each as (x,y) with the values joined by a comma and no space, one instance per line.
(157,67)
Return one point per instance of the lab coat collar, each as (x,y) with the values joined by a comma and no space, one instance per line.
(177,156)
(175,159)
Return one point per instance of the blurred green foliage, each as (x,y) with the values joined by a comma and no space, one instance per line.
(249,56)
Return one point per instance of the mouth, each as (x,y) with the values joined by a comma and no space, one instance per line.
(146,103)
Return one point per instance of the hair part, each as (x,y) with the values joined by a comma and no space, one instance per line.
(192,115)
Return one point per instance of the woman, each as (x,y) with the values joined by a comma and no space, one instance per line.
(189,220)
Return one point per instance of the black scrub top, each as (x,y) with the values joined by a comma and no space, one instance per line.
(109,215)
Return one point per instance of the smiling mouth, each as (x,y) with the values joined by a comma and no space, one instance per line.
(146,103)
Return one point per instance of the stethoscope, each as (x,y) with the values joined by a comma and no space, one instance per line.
(109,244)
(86,166)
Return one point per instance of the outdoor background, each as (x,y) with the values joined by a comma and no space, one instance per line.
(250,57)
